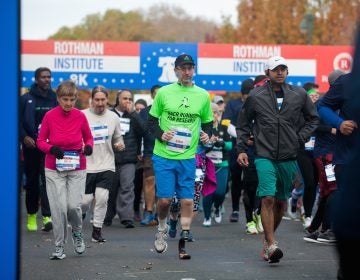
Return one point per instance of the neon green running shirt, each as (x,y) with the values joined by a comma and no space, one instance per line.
(181,109)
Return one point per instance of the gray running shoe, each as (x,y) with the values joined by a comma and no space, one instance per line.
(312,237)
(58,254)
(160,243)
(327,237)
(79,244)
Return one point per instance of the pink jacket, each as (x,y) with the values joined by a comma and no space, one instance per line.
(69,131)
(209,185)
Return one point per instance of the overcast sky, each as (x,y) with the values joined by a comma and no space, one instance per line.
(42,18)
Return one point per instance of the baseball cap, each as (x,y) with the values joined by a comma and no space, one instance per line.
(274,62)
(184,59)
(217,99)
(334,75)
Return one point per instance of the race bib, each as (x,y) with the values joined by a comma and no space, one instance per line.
(71,161)
(181,140)
(330,173)
(309,145)
(100,133)
(124,125)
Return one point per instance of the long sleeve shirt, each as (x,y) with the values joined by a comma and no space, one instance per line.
(70,131)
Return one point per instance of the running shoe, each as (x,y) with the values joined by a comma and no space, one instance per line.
(207,222)
(251,228)
(47,224)
(312,237)
(58,254)
(217,216)
(96,235)
(79,244)
(327,237)
(31,222)
(274,253)
(307,222)
(149,219)
(234,217)
(257,220)
(160,243)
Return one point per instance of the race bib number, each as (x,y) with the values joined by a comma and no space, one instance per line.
(309,145)
(124,125)
(71,161)
(181,140)
(330,173)
(100,133)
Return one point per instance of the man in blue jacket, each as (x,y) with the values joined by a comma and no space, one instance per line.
(340,107)
(33,106)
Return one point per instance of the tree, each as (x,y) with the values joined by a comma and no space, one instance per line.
(329,22)
(161,23)
(113,25)
(336,21)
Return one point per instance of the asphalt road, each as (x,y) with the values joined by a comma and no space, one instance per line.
(222,251)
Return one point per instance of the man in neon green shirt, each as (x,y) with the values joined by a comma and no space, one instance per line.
(179,117)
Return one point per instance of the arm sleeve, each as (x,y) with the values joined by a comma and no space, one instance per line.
(312,120)
(86,132)
(154,127)
(41,141)
(330,116)
(117,137)
(207,128)
(331,102)
(243,129)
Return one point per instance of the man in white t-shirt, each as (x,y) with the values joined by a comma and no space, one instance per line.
(100,169)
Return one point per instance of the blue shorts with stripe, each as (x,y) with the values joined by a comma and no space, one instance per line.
(174,176)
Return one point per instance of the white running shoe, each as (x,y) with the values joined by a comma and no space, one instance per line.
(307,222)
(207,222)
(160,243)
(218,216)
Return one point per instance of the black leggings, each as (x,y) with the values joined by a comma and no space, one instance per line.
(310,176)
(250,183)
(35,185)
(236,184)
(323,215)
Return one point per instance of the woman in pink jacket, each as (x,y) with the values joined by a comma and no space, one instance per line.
(65,137)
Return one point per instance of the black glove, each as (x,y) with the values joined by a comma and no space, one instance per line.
(88,150)
(57,152)
(219,144)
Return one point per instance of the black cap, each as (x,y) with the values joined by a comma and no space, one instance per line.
(246,86)
(184,59)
